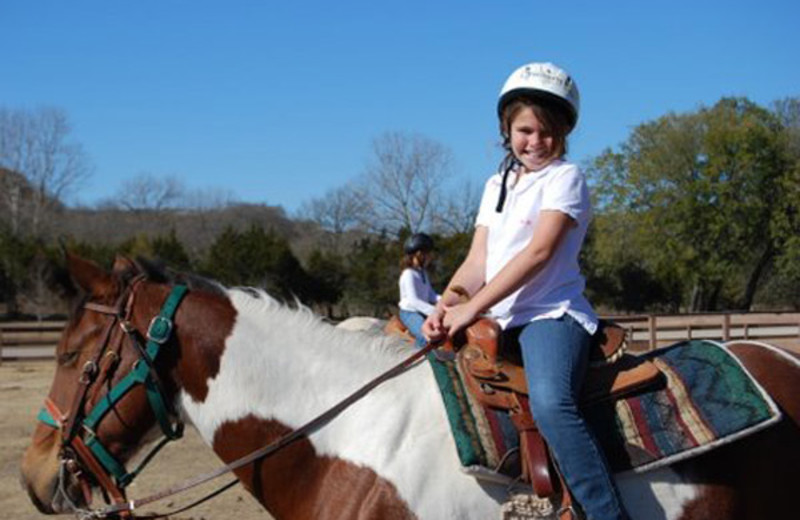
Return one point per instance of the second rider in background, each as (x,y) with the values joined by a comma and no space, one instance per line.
(417,297)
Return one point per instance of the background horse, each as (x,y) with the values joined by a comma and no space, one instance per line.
(245,369)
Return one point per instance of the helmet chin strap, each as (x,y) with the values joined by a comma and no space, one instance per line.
(509,163)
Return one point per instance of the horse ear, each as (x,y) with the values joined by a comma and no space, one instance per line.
(123,264)
(88,275)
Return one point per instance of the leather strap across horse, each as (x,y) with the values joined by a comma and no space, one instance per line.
(273,447)
(75,411)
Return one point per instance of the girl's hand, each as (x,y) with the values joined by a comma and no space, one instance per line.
(458,317)
(432,328)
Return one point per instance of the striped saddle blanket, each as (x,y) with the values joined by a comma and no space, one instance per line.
(708,399)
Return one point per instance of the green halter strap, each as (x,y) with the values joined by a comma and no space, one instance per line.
(158,334)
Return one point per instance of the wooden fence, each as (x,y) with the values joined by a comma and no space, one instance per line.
(29,339)
(650,331)
(38,339)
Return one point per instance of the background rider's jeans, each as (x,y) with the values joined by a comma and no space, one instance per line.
(555,353)
(413,321)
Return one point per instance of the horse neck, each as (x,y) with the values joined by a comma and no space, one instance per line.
(270,361)
(277,369)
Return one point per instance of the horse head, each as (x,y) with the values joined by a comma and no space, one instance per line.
(114,388)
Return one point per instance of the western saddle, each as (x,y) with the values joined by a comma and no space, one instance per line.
(491,367)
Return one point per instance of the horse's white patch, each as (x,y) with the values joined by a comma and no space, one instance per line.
(362,324)
(287,365)
(659,494)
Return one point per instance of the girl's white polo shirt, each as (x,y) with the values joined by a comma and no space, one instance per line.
(558,287)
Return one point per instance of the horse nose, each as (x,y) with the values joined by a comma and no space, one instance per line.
(39,475)
(42,505)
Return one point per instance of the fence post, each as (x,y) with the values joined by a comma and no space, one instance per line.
(651,325)
(726,327)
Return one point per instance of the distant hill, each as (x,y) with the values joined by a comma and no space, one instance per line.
(196,229)
(17,199)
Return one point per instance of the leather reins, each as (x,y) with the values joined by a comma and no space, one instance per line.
(279,443)
(107,472)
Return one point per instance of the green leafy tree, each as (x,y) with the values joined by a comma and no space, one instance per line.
(259,258)
(101,253)
(16,255)
(170,250)
(689,200)
(26,275)
(372,282)
(328,278)
(451,250)
(784,286)
(616,279)
(138,245)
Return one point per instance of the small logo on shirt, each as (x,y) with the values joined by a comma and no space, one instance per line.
(526,222)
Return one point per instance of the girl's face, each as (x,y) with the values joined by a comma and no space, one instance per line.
(531,143)
(423,259)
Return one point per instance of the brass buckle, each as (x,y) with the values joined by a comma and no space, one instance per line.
(88,372)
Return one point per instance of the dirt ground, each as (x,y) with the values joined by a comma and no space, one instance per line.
(23,386)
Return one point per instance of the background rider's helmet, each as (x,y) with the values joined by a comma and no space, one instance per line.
(418,242)
(545,82)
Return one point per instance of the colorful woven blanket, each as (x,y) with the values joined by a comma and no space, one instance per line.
(709,399)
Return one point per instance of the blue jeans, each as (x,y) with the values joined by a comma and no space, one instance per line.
(555,353)
(413,321)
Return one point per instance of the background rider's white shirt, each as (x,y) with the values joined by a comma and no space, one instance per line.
(558,288)
(416,293)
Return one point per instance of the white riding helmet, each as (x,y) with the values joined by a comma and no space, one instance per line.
(544,81)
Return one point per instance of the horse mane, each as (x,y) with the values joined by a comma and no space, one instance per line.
(157,271)
(304,326)
(294,317)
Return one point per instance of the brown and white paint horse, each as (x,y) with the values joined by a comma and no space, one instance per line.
(245,369)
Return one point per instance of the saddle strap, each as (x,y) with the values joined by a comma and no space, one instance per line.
(536,460)
(533,451)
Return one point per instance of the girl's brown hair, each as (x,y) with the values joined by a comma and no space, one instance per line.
(408,260)
(554,120)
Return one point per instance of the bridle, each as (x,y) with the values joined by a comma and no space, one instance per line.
(82,453)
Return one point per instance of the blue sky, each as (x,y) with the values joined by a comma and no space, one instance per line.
(278,102)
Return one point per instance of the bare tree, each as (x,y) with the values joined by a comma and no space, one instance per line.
(788,112)
(148,192)
(336,213)
(34,144)
(402,185)
(207,199)
(13,190)
(458,211)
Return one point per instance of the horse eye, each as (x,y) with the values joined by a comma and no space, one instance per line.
(68,357)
